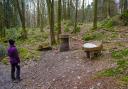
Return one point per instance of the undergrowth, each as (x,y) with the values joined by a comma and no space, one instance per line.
(93,36)
(121,68)
(124,18)
(120,54)
(27,48)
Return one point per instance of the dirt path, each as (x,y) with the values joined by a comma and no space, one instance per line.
(65,70)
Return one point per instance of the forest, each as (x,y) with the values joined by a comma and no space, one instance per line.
(65,44)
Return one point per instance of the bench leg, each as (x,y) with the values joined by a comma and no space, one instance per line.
(88,54)
(97,53)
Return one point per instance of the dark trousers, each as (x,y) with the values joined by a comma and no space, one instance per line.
(13,68)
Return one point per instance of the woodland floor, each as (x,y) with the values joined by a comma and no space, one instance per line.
(65,70)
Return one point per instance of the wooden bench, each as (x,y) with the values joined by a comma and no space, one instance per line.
(94,50)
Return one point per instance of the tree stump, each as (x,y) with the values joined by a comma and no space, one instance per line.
(64,42)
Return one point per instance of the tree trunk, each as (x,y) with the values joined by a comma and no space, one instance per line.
(22,17)
(7,13)
(95,14)
(52,24)
(42,17)
(75,25)
(38,14)
(108,9)
(24,34)
(64,10)
(69,9)
(125,5)
(83,7)
(50,5)
(59,19)
(121,6)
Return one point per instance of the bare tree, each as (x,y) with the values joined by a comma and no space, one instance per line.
(83,7)
(50,6)
(95,14)
(59,18)
(75,25)
(22,16)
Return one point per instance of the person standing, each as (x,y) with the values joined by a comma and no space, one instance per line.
(14,61)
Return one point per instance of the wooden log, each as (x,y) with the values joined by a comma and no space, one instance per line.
(44,47)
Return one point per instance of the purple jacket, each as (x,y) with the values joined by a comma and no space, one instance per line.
(13,54)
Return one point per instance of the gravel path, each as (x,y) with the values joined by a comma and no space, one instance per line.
(66,70)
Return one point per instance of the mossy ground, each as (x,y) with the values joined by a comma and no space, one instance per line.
(28,49)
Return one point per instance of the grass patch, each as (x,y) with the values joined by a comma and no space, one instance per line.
(109,72)
(107,23)
(13,33)
(88,37)
(120,54)
(77,29)
(5,61)
(113,35)
(3,51)
(24,54)
(118,72)
(27,48)
(124,17)
(124,79)
(93,36)
(122,65)
(66,29)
